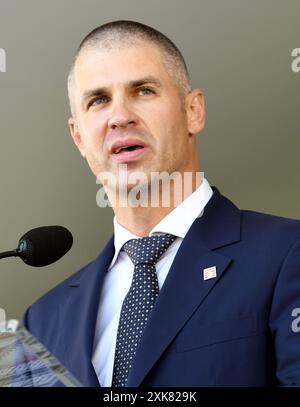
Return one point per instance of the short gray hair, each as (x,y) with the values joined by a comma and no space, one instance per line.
(125,33)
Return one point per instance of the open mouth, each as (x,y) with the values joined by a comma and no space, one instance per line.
(127,148)
(127,151)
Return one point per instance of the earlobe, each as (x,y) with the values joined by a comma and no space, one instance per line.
(75,134)
(196,111)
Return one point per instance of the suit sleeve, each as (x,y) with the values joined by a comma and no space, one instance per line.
(283,322)
(25,319)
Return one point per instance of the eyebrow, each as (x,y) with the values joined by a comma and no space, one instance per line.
(132,84)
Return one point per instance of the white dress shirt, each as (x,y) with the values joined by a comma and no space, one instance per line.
(119,276)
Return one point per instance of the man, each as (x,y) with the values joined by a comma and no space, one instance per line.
(216,302)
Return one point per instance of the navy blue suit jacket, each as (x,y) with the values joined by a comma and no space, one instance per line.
(232,330)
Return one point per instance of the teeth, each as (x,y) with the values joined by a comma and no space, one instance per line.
(125,148)
(119,149)
(128,148)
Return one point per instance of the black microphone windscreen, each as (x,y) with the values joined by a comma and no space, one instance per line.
(44,245)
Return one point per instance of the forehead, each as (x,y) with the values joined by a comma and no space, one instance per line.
(105,68)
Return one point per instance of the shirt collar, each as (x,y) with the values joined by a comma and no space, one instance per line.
(177,222)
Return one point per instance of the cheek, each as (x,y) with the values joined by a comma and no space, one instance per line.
(93,131)
(160,120)
(173,126)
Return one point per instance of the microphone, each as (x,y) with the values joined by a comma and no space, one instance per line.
(42,246)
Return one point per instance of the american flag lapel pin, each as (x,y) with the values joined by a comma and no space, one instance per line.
(210,272)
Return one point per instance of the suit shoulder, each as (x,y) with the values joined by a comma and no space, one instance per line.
(267,218)
(271,224)
(49,303)
(57,293)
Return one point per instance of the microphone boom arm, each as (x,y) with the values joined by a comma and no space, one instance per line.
(11,253)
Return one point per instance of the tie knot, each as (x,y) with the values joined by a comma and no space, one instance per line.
(148,250)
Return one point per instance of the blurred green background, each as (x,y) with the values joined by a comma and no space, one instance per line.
(237,51)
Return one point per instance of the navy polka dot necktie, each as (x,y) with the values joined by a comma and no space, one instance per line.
(139,301)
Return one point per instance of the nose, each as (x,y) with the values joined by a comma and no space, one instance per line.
(121,115)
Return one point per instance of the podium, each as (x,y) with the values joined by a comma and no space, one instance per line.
(25,362)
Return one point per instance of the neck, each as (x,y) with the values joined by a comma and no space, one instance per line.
(140,220)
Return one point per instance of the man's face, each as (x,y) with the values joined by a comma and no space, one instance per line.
(126,99)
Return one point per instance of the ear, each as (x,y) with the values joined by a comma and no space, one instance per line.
(76,135)
(195,111)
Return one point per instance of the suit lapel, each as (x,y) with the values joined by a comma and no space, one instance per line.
(79,315)
(185,289)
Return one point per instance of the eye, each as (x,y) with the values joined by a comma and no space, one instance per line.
(145,91)
(99,101)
